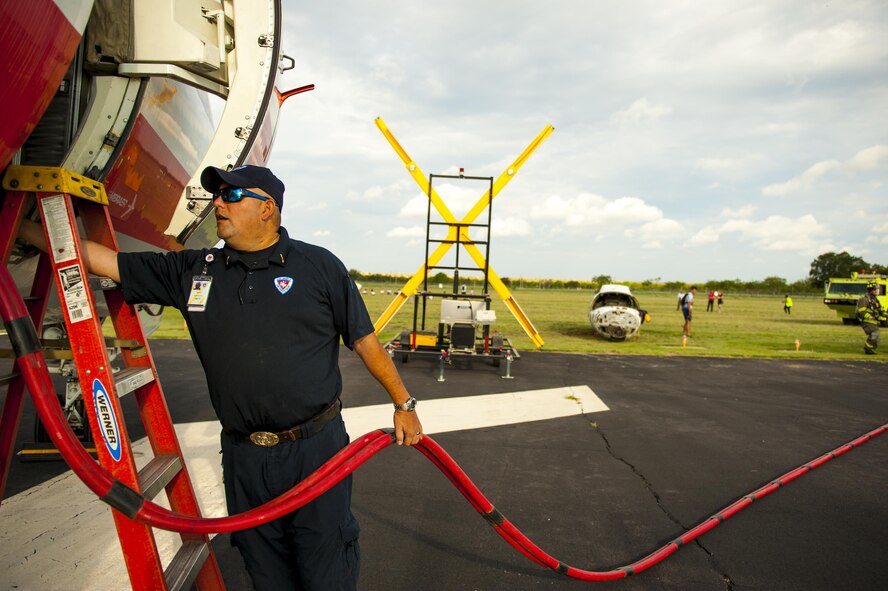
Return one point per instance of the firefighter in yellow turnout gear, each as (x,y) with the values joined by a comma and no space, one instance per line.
(870,313)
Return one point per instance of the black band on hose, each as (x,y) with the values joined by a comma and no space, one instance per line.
(678,542)
(628,570)
(23,336)
(124,499)
(494,517)
(562,568)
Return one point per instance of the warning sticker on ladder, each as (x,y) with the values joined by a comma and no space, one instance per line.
(74,290)
(61,237)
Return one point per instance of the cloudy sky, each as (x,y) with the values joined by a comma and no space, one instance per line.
(693,140)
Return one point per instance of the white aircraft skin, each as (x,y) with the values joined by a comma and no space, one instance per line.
(614,313)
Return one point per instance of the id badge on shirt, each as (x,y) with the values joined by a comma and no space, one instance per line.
(200,293)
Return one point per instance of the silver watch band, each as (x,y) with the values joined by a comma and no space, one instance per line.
(407,406)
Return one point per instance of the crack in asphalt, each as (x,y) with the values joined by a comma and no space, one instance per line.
(729,583)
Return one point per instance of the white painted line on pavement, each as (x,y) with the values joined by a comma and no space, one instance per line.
(444,415)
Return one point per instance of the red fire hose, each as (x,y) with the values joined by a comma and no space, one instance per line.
(131,503)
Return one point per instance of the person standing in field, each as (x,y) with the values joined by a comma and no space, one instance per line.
(721,299)
(711,303)
(680,300)
(787,305)
(687,310)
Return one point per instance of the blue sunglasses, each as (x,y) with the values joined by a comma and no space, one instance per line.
(235,194)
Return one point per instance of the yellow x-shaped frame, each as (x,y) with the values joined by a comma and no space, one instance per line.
(459,227)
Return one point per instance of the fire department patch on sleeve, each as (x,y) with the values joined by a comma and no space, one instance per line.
(283,284)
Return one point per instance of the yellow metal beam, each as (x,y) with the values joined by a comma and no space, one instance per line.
(412,284)
(47,179)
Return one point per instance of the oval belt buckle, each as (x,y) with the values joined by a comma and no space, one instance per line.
(264,438)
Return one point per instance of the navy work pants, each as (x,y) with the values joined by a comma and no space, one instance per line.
(314,548)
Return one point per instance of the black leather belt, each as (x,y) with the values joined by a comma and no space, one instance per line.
(301,431)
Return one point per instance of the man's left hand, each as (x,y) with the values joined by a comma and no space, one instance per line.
(408,430)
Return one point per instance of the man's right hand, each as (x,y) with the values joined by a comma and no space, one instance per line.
(99,259)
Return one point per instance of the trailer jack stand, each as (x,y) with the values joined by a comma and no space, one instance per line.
(508,375)
(441,359)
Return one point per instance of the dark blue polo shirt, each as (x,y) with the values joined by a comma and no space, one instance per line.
(269,337)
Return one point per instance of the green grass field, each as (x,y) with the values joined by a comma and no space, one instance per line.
(747,326)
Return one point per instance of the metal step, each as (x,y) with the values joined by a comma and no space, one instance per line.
(157,474)
(127,380)
(185,566)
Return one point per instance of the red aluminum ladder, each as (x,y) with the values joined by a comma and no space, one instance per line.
(63,265)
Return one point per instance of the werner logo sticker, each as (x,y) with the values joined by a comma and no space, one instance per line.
(283,284)
(107,420)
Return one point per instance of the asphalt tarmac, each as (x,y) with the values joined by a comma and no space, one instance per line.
(683,438)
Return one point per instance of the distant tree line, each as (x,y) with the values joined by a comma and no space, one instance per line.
(827,265)
(842,264)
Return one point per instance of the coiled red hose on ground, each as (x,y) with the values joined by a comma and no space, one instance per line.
(32,366)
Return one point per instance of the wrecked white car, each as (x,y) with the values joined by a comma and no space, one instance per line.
(615,314)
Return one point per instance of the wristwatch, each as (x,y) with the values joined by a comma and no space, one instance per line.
(408,406)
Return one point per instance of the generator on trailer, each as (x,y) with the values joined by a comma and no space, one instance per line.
(465,318)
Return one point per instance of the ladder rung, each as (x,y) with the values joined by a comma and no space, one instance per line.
(123,343)
(135,348)
(109,342)
(185,566)
(47,354)
(131,378)
(157,474)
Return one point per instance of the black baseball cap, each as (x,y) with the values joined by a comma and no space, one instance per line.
(245,177)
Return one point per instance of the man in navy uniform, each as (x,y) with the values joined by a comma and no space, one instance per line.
(266,314)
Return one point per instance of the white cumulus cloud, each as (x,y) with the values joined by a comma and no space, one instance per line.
(457,199)
(742,212)
(510,226)
(879,233)
(866,159)
(403,232)
(803,234)
(640,112)
(707,235)
(652,234)
(588,209)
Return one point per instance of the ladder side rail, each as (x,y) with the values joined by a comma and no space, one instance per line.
(151,401)
(13,208)
(152,405)
(489,237)
(112,441)
(10,216)
(12,407)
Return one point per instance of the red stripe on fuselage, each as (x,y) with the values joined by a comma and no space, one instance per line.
(144,187)
(36,46)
